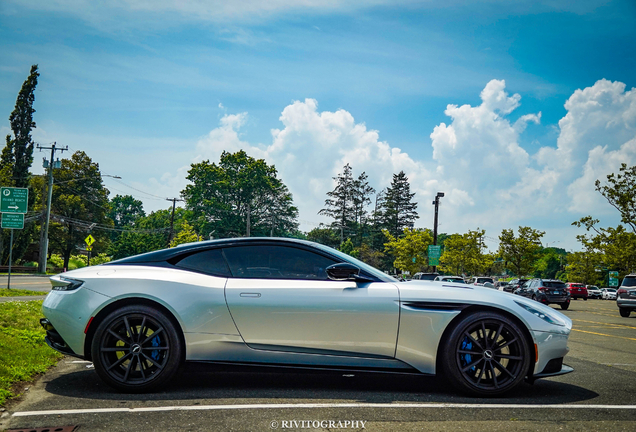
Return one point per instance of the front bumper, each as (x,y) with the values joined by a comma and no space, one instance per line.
(551,349)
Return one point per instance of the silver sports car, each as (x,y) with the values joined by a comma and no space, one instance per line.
(293,303)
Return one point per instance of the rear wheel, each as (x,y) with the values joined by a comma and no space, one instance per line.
(565,306)
(624,312)
(136,349)
(486,354)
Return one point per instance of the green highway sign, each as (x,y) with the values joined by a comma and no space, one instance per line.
(13,220)
(434,252)
(613,278)
(13,200)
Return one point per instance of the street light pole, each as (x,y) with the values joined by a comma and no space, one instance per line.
(436,204)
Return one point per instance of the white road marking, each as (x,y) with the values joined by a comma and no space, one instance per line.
(317,405)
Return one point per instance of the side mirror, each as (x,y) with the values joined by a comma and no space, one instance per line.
(345,272)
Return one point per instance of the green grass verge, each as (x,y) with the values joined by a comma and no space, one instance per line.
(19,292)
(23,352)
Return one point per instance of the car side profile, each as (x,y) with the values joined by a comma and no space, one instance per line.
(292,303)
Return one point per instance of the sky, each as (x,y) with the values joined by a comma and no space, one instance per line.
(512,109)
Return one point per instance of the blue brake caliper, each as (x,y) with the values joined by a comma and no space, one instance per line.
(467,358)
(155,342)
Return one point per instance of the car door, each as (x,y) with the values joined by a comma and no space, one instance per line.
(281,299)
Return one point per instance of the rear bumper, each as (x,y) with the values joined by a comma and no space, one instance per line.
(626,302)
(54,340)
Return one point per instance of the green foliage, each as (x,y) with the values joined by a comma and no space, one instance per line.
(77,261)
(18,292)
(150,233)
(125,211)
(520,252)
(100,259)
(410,251)
(550,262)
(239,196)
(463,254)
(185,235)
(370,256)
(348,248)
(23,352)
(397,210)
(55,260)
(78,195)
(583,267)
(620,192)
(323,235)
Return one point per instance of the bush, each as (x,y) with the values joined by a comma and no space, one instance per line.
(100,259)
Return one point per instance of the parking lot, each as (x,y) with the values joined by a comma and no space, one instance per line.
(599,395)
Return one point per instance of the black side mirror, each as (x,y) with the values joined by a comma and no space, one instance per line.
(346,272)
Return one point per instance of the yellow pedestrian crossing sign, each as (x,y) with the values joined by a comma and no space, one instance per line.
(89,248)
(89,240)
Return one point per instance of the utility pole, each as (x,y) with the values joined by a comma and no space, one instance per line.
(44,234)
(436,204)
(174,203)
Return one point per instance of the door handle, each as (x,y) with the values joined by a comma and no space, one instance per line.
(256,295)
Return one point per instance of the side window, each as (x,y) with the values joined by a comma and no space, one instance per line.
(209,262)
(276,262)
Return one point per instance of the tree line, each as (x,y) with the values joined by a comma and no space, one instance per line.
(243,196)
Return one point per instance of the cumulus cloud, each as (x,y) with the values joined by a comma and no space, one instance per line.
(489,179)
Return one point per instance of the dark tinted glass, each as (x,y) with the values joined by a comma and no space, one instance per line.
(276,262)
(209,262)
(629,281)
(559,285)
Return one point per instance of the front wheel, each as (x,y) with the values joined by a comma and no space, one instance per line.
(565,306)
(486,354)
(136,349)
(624,312)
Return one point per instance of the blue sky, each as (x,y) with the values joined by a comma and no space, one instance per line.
(148,87)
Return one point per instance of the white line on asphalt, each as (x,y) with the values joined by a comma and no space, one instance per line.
(316,405)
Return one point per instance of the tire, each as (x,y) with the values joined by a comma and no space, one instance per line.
(127,356)
(624,312)
(496,348)
(585,298)
(565,306)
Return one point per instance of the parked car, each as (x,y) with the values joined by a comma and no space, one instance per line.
(503,286)
(523,290)
(608,293)
(549,291)
(577,290)
(515,284)
(626,295)
(293,303)
(593,292)
(481,280)
(425,276)
(453,279)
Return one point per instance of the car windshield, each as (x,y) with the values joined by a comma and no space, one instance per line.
(610,290)
(363,266)
(456,280)
(577,286)
(629,281)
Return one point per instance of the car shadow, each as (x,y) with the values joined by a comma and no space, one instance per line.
(209,383)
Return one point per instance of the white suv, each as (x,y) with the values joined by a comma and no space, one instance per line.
(626,295)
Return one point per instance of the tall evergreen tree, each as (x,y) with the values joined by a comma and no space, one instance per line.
(338,205)
(397,209)
(16,160)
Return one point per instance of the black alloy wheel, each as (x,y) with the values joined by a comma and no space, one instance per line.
(136,349)
(486,354)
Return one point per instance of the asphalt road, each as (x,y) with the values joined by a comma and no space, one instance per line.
(34,283)
(599,395)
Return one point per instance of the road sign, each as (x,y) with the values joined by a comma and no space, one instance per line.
(89,240)
(89,248)
(613,278)
(13,220)
(434,252)
(13,200)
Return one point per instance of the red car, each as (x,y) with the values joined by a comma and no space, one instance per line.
(577,290)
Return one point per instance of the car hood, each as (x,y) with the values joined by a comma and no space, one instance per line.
(462,294)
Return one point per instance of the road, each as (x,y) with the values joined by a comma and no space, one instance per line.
(599,395)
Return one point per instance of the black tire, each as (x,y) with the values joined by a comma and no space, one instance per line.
(496,348)
(624,312)
(585,298)
(127,356)
(565,306)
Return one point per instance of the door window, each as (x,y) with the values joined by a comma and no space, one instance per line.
(276,262)
(209,262)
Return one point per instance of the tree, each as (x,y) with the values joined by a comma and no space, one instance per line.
(185,235)
(397,209)
(16,160)
(238,196)
(550,263)
(620,192)
(464,254)
(79,202)
(583,267)
(324,235)
(520,253)
(338,205)
(409,250)
(125,211)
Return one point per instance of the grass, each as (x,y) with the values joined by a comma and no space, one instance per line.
(19,292)
(23,352)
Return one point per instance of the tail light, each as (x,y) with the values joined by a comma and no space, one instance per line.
(543,289)
(621,291)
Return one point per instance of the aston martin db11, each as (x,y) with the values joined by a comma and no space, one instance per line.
(292,303)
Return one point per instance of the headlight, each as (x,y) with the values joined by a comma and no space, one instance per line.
(71,284)
(543,315)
